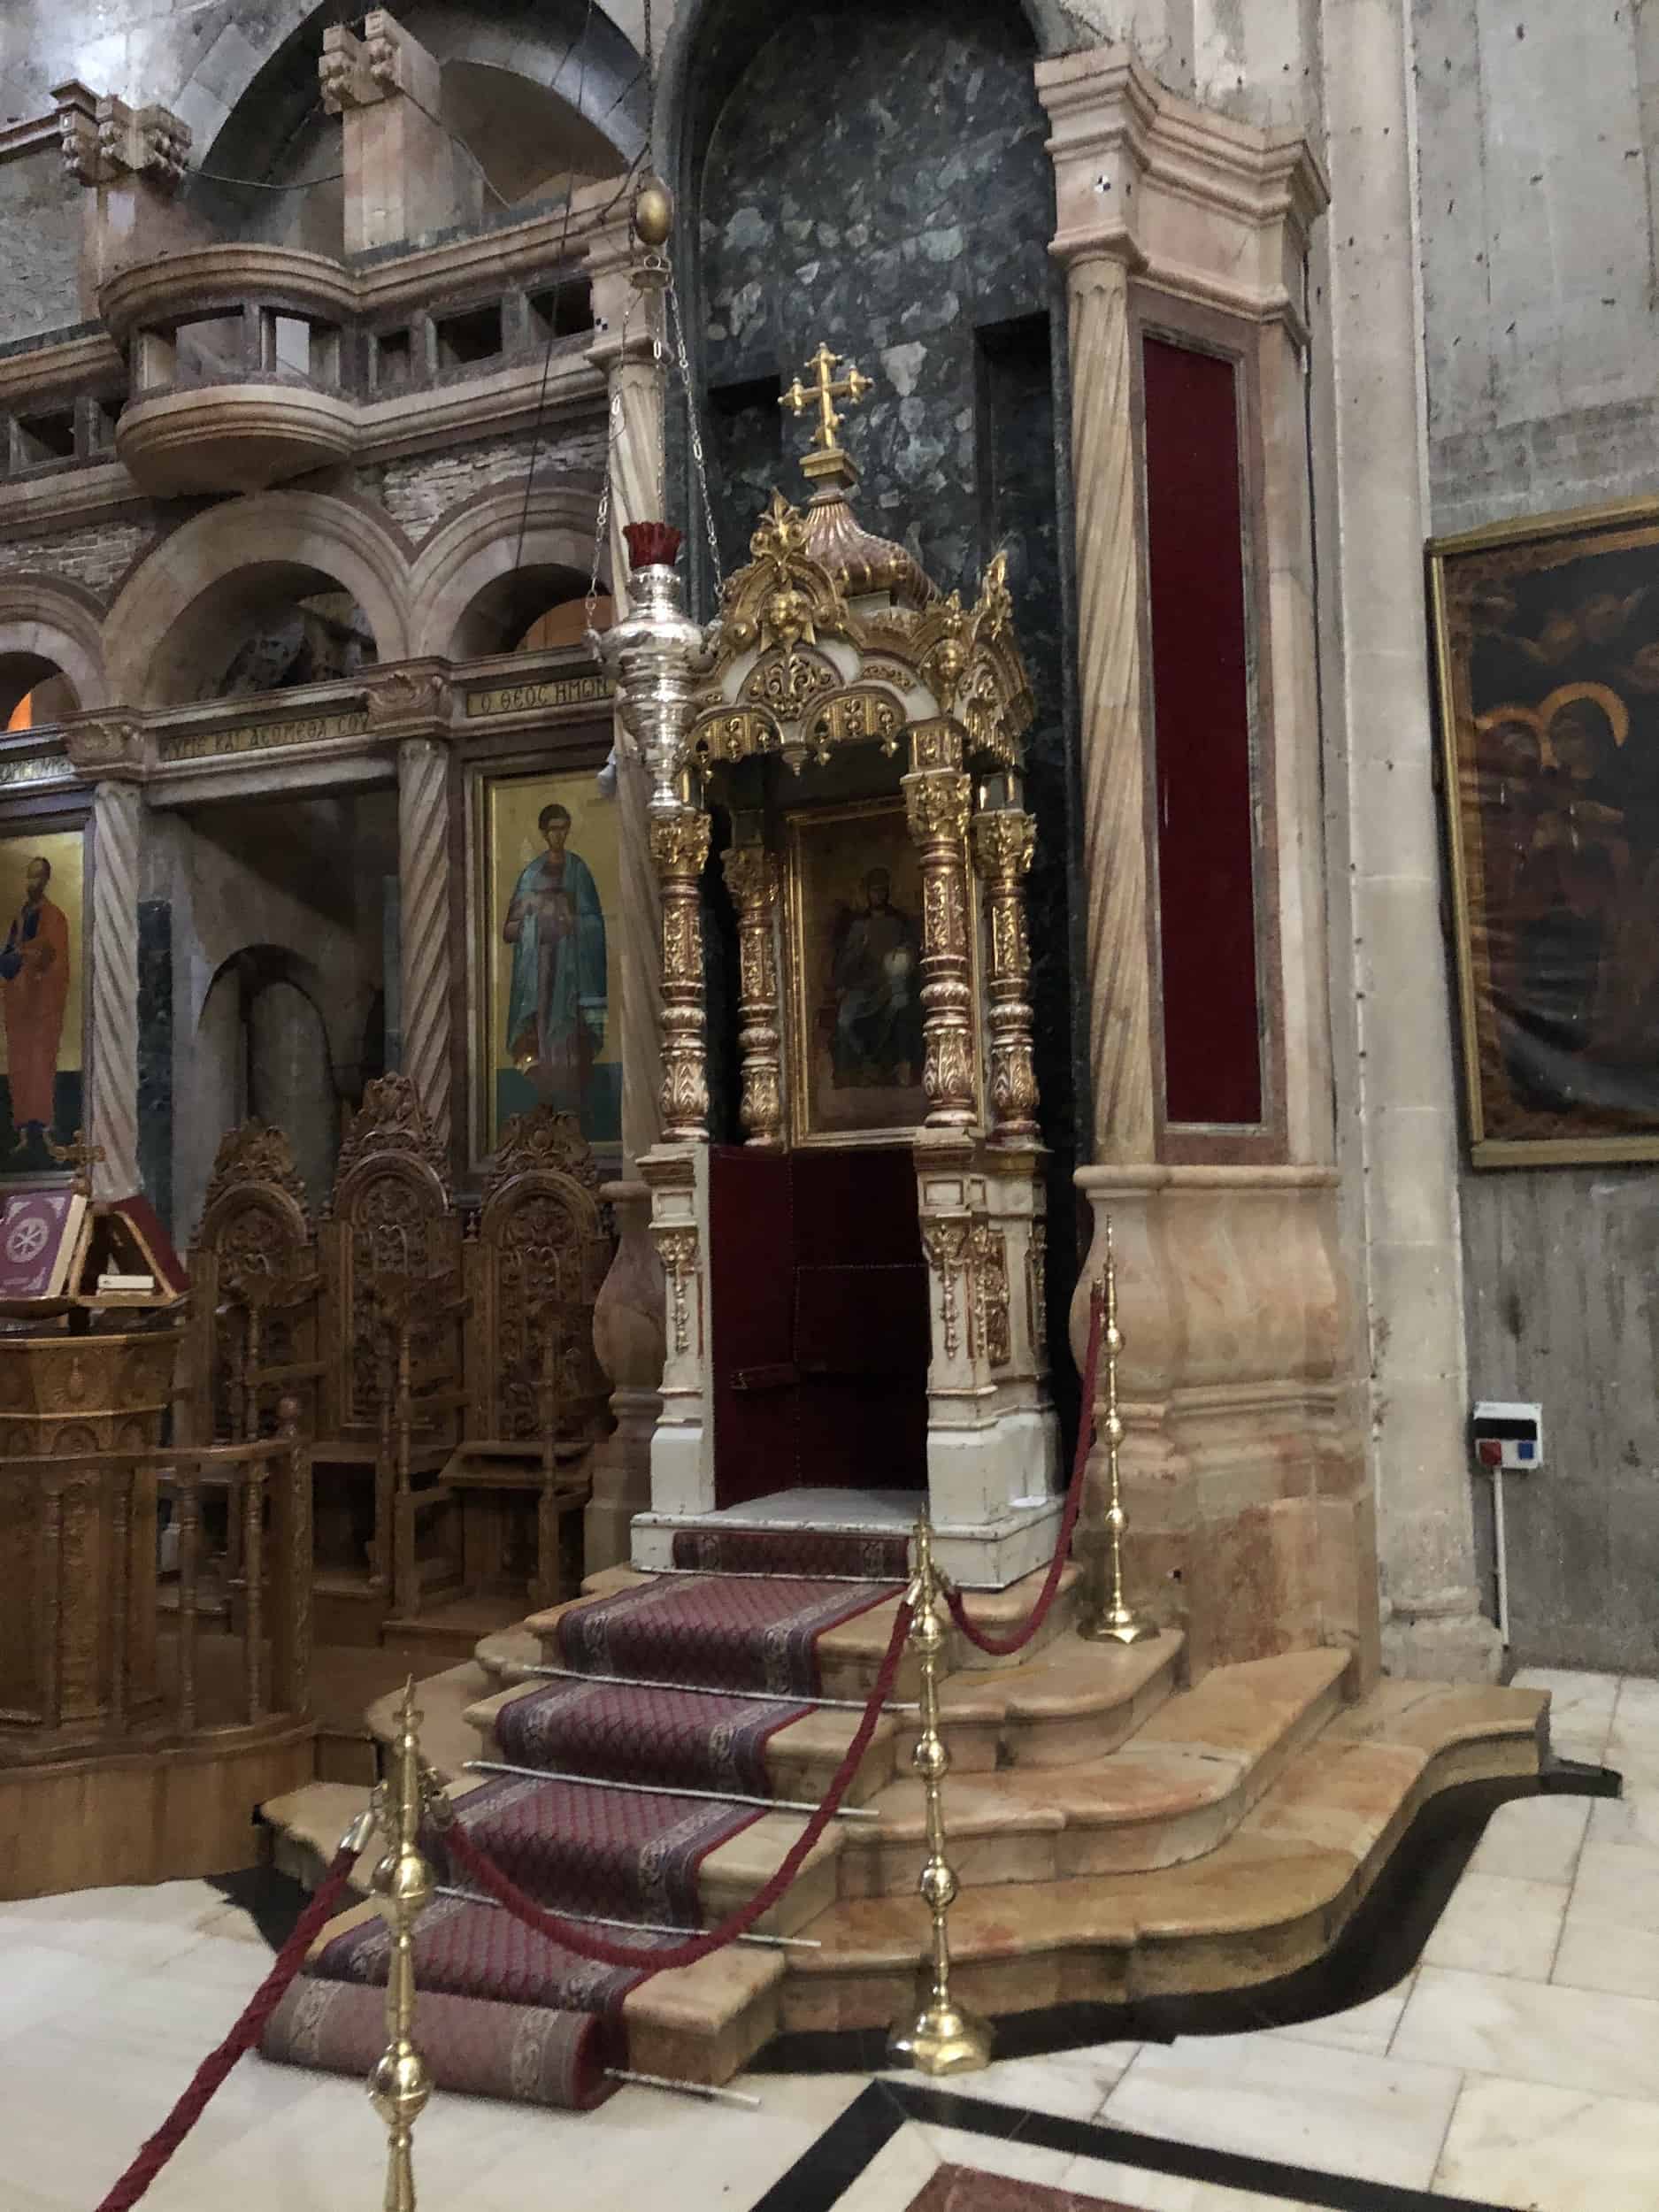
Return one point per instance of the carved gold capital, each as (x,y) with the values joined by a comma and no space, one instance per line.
(1003,842)
(679,844)
(937,805)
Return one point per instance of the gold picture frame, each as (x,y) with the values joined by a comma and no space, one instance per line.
(1546,638)
(854,965)
(545,970)
(42,1003)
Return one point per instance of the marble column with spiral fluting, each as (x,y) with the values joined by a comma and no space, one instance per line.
(111,1120)
(1109,694)
(424,955)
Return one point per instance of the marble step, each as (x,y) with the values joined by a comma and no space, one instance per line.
(506,1656)
(1274,1896)
(304,1829)
(1177,1790)
(1073,1703)
(802,1760)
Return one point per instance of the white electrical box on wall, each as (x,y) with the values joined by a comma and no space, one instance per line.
(1508,1436)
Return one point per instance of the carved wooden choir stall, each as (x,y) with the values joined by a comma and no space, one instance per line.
(447,1379)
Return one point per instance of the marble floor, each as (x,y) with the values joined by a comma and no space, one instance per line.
(1516,2066)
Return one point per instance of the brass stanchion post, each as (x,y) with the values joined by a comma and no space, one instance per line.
(403,1885)
(1116,1622)
(942,2039)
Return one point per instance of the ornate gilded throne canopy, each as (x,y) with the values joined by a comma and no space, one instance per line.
(831,636)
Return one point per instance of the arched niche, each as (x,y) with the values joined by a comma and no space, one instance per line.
(50,647)
(535,93)
(174,632)
(485,576)
(906,222)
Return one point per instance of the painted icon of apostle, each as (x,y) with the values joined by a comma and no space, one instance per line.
(555,1006)
(34,990)
(875,983)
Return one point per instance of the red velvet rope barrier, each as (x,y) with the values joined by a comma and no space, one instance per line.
(1004,1646)
(209,2075)
(582,1940)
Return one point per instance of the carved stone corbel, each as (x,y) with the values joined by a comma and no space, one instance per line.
(415,700)
(106,749)
(149,143)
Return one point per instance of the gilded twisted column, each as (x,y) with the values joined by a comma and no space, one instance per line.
(751,872)
(423,853)
(1109,698)
(1003,842)
(679,847)
(112,954)
(936,803)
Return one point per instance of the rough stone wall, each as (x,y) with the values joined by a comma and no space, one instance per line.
(1539,166)
(40,224)
(98,556)
(418,494)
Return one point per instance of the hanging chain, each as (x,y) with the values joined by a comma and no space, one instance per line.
(703,500)
(613,440)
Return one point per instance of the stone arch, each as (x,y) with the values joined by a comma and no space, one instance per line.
(175,605)
(49,629)
(708,42)
(251,99)
(475,589)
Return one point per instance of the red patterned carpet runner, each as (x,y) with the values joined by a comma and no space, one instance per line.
(501,2007)
(687,1738)
(717,1632)
(526,2052)
(469,1950)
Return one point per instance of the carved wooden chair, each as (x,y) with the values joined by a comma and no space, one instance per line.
(536,1396)
(390,1252)
(253,1271)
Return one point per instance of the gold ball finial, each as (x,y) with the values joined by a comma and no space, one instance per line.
(653,213)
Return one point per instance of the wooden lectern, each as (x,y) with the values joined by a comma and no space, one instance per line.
(91,1300)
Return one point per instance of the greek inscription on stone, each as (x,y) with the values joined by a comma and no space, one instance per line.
(563,691)
(260,737)
(42,769)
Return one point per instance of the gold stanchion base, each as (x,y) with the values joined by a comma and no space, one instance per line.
(1118,1626)
(942,2040)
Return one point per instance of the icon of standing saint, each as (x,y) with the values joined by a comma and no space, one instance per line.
(34,991)
(556,995)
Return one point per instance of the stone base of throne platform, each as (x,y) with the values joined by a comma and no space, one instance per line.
(1118,1836)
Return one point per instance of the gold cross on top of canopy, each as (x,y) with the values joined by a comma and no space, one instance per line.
(823,394)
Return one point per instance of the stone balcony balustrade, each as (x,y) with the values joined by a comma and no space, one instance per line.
(251,364)
(240,364)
